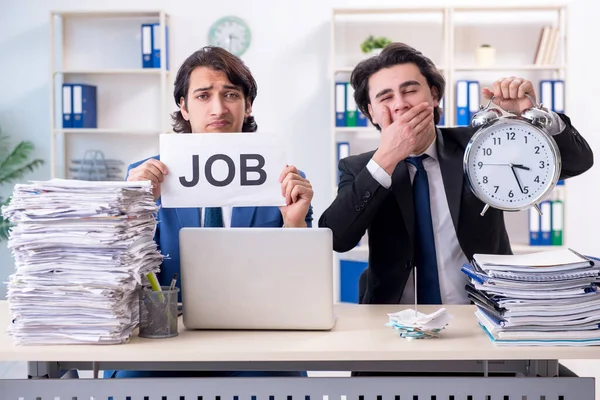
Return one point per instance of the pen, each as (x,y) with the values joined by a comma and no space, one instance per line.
(173,281)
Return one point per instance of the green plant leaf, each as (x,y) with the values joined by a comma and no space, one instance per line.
(17,156)
(4,223)
(8,176)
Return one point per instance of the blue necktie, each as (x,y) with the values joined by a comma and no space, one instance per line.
(213,217)
(428,287)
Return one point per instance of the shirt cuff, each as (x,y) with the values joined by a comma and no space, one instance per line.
(558,125)
(379,174)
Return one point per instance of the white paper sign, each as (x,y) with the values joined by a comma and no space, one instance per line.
(221,169)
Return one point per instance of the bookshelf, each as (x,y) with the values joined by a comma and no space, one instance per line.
(103,49)
(449,36)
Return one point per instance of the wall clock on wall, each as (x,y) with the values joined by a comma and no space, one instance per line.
(230,33)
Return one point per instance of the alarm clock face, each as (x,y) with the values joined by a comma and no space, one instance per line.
(230,33)
(511,165)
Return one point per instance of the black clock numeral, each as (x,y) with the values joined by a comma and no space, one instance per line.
(485,179)
(497,141)
(487,151)
(542,165)
(510,136)
(511,194)
(480,164)
(537,149)
(525,189)
(496,189)
(525,137)
(537,179)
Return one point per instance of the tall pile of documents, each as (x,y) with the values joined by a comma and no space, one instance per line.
(540,299)
(81,250)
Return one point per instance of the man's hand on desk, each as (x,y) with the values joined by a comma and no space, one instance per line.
(151,170)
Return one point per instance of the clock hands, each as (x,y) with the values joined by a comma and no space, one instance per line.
(520,166)
(512,168)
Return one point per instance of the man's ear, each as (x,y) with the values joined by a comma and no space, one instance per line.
(183,108)
(248,108)
(435,94)
(370,109)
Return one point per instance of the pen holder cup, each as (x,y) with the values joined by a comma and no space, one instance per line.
(158,313)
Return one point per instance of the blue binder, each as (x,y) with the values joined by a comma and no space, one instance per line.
(558,96)
(361,119)
(147,45)
(552,94)
(84,106)
(67,105)
(340,104)
(156,50)
(462,103)
(343,151)
(349,275)
(546,223)
(535,233)
(473,99)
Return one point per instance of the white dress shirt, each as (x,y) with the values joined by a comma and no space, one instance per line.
(450,257)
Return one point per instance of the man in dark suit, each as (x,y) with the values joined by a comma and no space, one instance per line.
(410,193)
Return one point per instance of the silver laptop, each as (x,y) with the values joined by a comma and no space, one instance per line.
(257,278)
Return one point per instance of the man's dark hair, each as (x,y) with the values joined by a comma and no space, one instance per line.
(394,54)
(217,59)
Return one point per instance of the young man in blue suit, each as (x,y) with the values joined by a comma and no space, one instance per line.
(215,92)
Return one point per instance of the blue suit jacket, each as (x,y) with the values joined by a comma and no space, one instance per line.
(171,220)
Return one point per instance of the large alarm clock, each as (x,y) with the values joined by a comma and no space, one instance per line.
(230,33)
(511,163)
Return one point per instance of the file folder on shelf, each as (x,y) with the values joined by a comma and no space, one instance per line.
(67,105)
(340,104)
(84,106)
(147,45)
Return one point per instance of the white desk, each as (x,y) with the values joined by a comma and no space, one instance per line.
(359,341)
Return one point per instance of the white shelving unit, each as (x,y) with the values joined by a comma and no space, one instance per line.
(104,49)
(449,36)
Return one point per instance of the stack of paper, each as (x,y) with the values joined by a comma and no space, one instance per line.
(81,249)
(411,324)
(544,299)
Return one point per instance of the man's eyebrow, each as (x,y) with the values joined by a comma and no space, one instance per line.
(383,92)
(402,86)
(202,89)
(409,83)
(227,87)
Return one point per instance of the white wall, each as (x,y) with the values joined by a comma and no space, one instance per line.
(289,57)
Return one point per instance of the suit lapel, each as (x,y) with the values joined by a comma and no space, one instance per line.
(451,164)
(241,217)
(402,189)
(188,217)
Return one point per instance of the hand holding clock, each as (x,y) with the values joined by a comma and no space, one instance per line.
(510,94)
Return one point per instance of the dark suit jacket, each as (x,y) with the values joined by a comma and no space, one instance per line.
(363,204)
